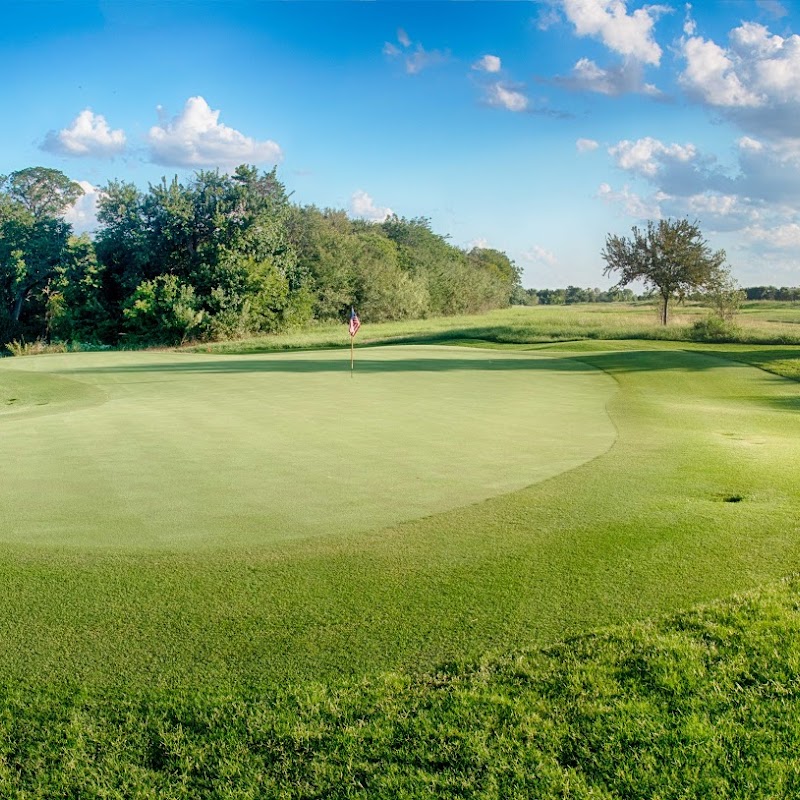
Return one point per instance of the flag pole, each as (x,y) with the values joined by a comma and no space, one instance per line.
(355,324)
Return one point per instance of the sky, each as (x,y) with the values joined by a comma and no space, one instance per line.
(537,128)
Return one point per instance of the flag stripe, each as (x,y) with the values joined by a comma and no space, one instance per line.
(355,322)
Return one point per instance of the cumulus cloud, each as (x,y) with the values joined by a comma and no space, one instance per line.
(711,76)
(82,214)
(632,204)
(88,135)
(196,138)
(675,169)
(625,78)
(647,156)
(502,96)
(403,38)
(540,255)
(778,237)
(586,145)
(758,199)
(488,63)
(754,81)
(362,205)
(629,35)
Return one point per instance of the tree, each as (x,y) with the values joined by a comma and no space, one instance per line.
(724,295)
(33,241)
(670,257)
(41,191)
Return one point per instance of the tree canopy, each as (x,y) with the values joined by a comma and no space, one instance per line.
(670,257)
(219,255)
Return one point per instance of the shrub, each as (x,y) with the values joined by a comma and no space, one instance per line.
(714,329)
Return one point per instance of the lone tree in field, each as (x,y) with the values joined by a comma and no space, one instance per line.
(670,256)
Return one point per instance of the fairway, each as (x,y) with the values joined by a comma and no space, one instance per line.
(173,451)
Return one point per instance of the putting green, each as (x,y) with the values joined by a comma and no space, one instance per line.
(167,450)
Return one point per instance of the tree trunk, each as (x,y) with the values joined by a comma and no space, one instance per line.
(20,299)
(664,308)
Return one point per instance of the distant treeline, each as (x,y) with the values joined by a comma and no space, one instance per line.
(574,294)
(219,256)
(788,293)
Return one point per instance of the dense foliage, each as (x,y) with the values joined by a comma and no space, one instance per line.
(219,256)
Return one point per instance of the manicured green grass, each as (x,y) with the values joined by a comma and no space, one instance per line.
(199,591)
(703,705)
(177,451)
(184,644)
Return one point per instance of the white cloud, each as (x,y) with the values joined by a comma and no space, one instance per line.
(362,205)
(196,138)
(82,214)
(630,35)
(416,60)
(633,204)
(723,205)
(481,243)
(89,135)
(647,156)
(747,143)
(710,75)
(548,14)
(586,145)
(540,255)
(488,63)
(422,59)
(753,82)
(503,97)
(623,78)
(779,237)
(772,7)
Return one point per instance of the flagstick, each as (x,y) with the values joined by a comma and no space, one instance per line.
(351,355)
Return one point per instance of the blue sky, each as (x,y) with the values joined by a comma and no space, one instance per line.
(533,127)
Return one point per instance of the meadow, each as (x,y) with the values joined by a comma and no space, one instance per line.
(526,568)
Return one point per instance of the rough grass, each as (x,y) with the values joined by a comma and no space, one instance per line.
(703,704)
(758,323)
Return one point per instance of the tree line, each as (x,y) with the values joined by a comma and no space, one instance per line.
(219,256)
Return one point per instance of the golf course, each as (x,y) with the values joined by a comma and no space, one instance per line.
(244,533)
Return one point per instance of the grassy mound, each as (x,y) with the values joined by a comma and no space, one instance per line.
(703,704)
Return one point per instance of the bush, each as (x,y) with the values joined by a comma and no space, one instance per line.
(714,329)
(162,311)
(19,347)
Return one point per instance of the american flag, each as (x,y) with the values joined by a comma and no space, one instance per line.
(355,322)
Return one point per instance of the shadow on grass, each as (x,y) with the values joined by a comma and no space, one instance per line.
(780,403)
(619,361)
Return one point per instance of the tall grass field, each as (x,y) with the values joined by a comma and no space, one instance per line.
(557,562)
